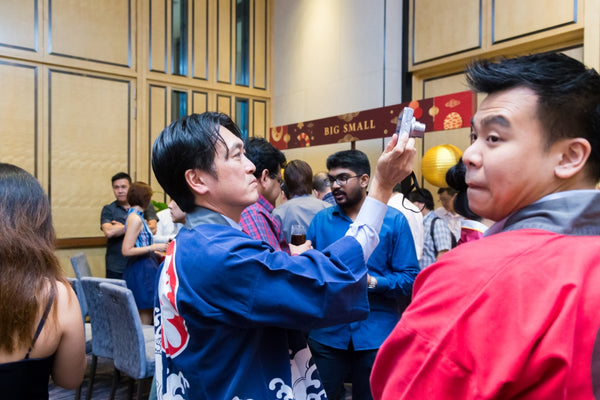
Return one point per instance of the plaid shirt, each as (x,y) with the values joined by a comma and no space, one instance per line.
(258,222)
(442,238)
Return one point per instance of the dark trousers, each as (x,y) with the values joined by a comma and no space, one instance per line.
(335,364)
(114,275)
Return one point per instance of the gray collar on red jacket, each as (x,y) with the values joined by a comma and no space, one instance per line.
(574,212)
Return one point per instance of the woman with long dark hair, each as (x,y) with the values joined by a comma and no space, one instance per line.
(41,330)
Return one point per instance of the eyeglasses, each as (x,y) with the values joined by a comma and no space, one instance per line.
(341,180)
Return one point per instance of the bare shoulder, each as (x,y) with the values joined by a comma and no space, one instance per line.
(66,301)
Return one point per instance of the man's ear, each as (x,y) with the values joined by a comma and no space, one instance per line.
(364,180)
(574,154)
(196,180)
(264,176)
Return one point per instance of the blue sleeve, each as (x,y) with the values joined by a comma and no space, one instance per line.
(242,282)
(394,264)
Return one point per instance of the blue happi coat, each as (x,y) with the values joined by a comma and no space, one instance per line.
(230,312)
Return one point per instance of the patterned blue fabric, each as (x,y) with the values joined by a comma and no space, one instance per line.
(140,273)
(230,309)
(115,261)
(145,237)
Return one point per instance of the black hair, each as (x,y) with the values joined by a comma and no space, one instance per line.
(455,177)
(188,143)
(354,160)
(448,190)
(264,156)
(120,175)
(568,95)
(406,185)
(421,195)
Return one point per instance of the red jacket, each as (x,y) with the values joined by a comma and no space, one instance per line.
(513,315)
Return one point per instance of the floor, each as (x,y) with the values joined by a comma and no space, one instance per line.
(102,384)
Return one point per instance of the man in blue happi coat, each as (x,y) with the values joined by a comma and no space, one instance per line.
(230,309)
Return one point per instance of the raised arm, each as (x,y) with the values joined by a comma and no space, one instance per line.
(394,164)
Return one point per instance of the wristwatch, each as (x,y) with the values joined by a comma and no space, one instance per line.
(372,284)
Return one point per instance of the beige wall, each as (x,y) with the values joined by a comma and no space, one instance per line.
(333,57)
(327,59)
(87,86)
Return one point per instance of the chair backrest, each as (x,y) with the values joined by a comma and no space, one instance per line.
(78,289)
(102,345)
(132,354)
(80,265)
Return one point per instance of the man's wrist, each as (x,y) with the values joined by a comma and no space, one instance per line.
(372,282)
(380,191)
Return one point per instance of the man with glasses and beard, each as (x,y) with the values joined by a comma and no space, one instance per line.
(392,268)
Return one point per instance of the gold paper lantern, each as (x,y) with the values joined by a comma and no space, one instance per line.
(437,161)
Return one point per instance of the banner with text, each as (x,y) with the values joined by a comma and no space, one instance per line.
(451,111)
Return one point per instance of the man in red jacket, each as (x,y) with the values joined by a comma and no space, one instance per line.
(515,314)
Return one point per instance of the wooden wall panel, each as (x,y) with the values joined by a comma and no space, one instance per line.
(443,28)
(100,31)
(158,43)
(259,119)
(89,135)
(19,24)
(70,112)
(224,104)
(224,40)
(19,115)
(444,85)
(157,115)
(516,18)
(199,102)
(260,44)
(200,34)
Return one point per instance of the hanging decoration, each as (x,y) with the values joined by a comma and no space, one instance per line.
(452,111)
(437,161)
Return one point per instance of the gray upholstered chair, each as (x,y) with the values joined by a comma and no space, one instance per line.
(80,265)
(102,343)
(132,353)
(78,289)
